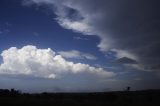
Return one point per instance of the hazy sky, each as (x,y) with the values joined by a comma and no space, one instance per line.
(79,45)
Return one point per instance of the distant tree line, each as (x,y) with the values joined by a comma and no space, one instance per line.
(12,91)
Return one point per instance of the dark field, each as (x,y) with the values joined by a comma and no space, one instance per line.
(121,98)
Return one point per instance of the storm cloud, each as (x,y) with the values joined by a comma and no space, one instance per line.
(125,60)
(128,26)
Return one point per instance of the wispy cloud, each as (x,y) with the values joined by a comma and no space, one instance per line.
(5,28)
(36,34)
(1,32)
(77,55)
(8,24)
(79,38)
(4,31)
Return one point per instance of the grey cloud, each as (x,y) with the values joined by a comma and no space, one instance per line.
(129,25)
(77,55)
(125,60)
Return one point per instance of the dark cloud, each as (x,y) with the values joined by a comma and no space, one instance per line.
(126,60)
(155,67)
(132,26)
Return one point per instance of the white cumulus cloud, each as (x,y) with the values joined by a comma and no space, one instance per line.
(44,63)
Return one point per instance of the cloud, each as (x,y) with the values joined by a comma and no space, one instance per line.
(126,60)
(130,26)
(89,56)
(79,38)
(36,34)
(1,32)
(77,55)
(76,26)
(5,28)
(44,63)
(123,53)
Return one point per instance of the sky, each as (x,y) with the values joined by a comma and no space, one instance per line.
(79,45)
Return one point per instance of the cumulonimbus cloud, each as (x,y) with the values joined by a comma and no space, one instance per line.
(128,26)
(45,63)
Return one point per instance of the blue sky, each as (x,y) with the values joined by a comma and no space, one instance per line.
(31,26)
(72,46)
(29,22)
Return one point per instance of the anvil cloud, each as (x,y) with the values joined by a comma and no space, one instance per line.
(128,26)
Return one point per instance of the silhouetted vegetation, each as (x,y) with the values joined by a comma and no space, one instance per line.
(119,98)
(128,88)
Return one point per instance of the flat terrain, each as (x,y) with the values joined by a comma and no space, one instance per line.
(119,98)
